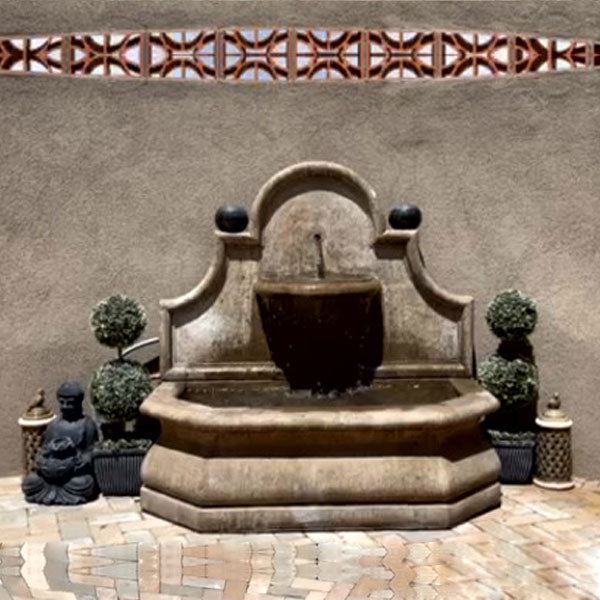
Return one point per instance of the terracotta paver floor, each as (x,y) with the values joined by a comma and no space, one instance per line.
(539,545)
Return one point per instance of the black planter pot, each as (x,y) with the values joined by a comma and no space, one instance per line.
(118,472)
(517,460)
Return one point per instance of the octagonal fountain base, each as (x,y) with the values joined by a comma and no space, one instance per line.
(240,457)
(317,378)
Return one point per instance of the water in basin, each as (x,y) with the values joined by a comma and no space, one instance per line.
(409,392)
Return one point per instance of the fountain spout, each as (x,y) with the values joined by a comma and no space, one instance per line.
(320,258)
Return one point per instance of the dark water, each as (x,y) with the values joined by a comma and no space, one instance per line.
(267,395)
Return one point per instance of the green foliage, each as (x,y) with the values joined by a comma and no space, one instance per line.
(124,444)
(118,388)
(516,438)
(118,321)
(512,315)
(513,382)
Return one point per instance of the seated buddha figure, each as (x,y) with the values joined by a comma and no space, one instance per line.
(64,468)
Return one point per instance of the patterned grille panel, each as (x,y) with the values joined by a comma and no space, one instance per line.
(294,54)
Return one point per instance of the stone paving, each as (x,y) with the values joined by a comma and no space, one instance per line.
(538,545)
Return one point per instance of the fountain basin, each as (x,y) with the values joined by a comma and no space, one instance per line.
(397,454)
(324,334)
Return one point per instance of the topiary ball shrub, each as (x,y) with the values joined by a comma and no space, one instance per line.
(118,388)
(122,444)
(118,321)
(514,382)
(515,438)
(512,315)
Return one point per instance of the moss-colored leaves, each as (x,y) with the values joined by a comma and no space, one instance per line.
(118,388)
(512,315)
(513,382)
(118,321)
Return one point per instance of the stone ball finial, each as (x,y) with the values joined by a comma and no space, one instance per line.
(231,219)
(405,216)
(71,389)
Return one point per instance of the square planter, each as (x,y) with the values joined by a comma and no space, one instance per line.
(118,472)
(517,460)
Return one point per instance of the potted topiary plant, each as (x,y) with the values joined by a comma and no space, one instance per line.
(512,376)
(117,390)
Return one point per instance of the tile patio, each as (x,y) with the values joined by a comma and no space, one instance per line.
(538,545)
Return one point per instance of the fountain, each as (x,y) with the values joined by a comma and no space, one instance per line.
(317,378)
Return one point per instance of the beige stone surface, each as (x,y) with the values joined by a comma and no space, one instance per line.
(321,517)
(316,480)
(111,186)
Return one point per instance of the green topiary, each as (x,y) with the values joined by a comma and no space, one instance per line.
(512,315)
(118,388)
(513,382)
(124,444)
(118,321)
(524,438)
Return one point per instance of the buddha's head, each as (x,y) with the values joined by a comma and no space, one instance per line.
(70,399)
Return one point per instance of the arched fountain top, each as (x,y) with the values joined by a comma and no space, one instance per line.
(285,184)
(215,332)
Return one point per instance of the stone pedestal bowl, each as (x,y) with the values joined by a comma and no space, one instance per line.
(324,334)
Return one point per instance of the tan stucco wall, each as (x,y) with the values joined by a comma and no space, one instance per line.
(111,186)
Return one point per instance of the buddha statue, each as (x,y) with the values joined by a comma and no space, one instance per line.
(64,468)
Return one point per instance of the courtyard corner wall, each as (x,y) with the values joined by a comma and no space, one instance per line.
(111,186)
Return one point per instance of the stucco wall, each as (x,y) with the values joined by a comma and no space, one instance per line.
(111,186)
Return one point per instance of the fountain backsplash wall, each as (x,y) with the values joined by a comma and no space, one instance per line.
(216,328)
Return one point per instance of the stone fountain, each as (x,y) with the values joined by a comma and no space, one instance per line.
(317,378)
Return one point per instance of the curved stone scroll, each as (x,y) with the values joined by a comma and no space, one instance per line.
(215,331)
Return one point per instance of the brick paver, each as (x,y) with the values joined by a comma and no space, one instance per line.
(539,544)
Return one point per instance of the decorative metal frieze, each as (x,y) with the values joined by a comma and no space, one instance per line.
(283,54)
(107,55)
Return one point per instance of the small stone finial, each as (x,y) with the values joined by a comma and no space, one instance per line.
(37,410)
(553,416)
(554,403)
